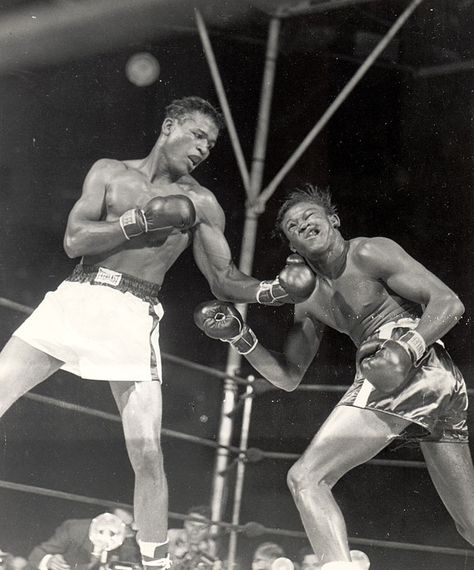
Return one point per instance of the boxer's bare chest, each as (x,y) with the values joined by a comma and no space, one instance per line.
(148,256)
(348,302)
(130,189)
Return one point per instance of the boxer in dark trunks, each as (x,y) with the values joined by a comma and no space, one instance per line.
(396,312)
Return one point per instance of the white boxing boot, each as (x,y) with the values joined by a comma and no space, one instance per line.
(361,559)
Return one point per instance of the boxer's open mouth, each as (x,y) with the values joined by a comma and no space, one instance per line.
(311,233)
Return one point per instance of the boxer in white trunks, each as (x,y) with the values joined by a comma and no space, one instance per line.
(396,312)
(132,221)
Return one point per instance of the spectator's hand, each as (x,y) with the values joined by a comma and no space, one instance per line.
(57,562)
(217,565)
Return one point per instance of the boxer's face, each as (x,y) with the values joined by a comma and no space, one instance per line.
(309,228)
(188,141)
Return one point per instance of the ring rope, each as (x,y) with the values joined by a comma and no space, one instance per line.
(13,305)
(251,529)
(254,455)
(251,455)
(116,418)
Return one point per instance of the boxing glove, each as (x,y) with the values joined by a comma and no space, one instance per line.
(223,321)
(294,284)
(388,364)
(161,212)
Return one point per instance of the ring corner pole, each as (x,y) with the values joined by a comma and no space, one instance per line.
(337,102)
(219,487)
(240,475)
(221,95)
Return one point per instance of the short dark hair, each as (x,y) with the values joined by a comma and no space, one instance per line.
(308,193)
(303,552)
(203,510)
(269,550)
(180,108)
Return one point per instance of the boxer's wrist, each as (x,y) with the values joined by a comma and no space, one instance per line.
(271,293)
(415,344)
(133,223)
(245,341)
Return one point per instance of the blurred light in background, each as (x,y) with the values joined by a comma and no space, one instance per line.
(142,69)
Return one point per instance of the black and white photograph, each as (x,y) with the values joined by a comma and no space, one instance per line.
(236,284)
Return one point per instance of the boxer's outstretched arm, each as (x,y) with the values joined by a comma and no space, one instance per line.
(286,369)
(86,233)
(213,256)
(384,259)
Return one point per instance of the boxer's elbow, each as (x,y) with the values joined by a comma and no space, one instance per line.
(73,244)
(292,379)
(456,307)
(218,290)
(448,304)
(70,247)
(226,288)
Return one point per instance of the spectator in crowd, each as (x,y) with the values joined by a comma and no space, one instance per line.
(193,546)
(4,557)
(308,560)
(17,563)
(265,554)
(70,547)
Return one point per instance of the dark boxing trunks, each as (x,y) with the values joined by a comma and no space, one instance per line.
(435,398)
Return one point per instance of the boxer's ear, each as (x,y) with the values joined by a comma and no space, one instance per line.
(335,221)
(167,126)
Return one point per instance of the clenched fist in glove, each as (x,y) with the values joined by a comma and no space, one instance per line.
(162,212)
(294,284)
(223,321)
(388,364)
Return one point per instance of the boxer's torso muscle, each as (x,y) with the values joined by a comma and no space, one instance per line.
(148,256)
(355,303)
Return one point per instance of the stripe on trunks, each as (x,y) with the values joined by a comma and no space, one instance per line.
(155,358)
(364,393)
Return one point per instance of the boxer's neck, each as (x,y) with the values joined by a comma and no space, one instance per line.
(332,262)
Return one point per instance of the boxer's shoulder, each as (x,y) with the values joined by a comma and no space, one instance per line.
(368,251)
(106,168)
(205,202)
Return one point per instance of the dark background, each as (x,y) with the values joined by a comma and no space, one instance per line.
(398,158)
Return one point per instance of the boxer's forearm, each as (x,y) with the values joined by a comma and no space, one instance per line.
(91,238)
(441,314)
(234,286)
(276,368)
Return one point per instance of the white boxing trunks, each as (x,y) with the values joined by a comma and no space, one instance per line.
(434,398)
(102,324)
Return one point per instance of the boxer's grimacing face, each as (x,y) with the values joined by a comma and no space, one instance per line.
(310,230)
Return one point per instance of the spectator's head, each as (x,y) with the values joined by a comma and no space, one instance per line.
(198,526)
(308,560)
(4,559)
(126,517)
(266,553)
(17,563)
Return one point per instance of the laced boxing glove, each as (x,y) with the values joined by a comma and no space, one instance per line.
(294,284)
(161,212)
(388,364)
(223,321)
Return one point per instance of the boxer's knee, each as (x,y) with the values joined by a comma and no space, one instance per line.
(146,456)
(303,476)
